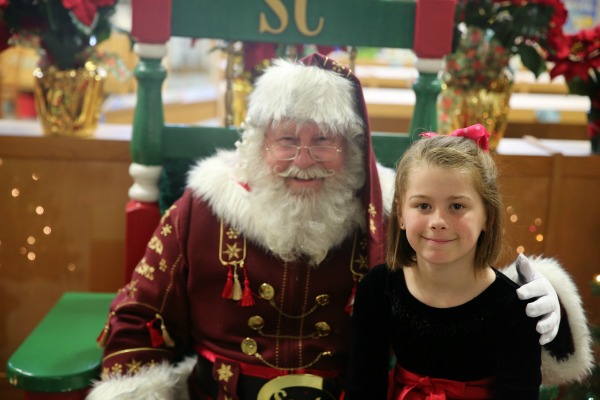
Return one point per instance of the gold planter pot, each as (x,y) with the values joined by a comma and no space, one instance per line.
(458,108)
(69,102)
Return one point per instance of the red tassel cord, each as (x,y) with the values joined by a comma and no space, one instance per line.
(155,332)
(158,332)
(247,296)
(226,294)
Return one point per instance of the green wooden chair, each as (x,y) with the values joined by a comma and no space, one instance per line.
(162,153)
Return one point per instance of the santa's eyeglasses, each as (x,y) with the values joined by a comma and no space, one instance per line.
(288,152)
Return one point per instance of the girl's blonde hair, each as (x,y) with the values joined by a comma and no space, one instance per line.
(456,153)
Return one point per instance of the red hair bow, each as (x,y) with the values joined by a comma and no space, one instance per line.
(477,133)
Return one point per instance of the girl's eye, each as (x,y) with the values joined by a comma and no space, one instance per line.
(457,207)
(423,206)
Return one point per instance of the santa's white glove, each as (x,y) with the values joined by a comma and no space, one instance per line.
(535,284)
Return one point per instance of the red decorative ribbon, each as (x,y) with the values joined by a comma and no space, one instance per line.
(413,386)
(477,133)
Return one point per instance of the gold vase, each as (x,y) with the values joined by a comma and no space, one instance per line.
(489,106)
(69,102)
(242,87)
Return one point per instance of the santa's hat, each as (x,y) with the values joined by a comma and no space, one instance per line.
(318,89)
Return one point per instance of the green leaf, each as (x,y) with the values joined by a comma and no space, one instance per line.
(532,60)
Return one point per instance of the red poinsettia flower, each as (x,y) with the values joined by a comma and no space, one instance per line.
(575,55)
(85,10)
(60,29)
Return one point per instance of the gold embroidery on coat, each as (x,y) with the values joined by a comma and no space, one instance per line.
(156,245)
(167,213)
(233,248)
(116,369)
(372,214)
(224,372)
(359,263)
(145,270)
(166,230)
(134,366)
(131,288)
(162,265)
(232,233)
(362,262)
(232,251)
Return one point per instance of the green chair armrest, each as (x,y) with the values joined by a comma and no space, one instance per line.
(61,353)
(549,392)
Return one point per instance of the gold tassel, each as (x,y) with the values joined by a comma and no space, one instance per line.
(165,334)
(236,294)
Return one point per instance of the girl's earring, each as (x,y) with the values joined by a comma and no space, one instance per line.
(401,226)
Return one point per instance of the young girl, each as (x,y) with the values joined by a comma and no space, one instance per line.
(454,323)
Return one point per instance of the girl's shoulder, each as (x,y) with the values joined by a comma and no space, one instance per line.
(504,282)
(381,277)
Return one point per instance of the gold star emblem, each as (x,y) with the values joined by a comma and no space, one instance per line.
(162,265)
(166,229)
(372,210)
(116,369)
(224,372)
(232,251)
(131,288)
(232,233)
(361,262)
(134,366)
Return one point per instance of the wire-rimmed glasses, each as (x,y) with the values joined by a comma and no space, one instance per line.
(288,152)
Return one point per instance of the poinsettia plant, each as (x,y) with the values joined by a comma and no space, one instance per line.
(489,32)
(65,31)
(577,57)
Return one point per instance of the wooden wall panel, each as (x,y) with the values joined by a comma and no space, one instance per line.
(83,191)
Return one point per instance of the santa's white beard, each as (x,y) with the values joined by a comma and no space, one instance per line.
(305,223)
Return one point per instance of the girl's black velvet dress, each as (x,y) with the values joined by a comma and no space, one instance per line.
(489,336)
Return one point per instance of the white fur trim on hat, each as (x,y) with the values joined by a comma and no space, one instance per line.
(291,90)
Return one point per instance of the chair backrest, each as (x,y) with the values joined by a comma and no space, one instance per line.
(424,26)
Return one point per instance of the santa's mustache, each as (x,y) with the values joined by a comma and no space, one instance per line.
(293,171)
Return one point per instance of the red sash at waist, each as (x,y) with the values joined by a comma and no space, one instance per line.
(411,386)
(265,372)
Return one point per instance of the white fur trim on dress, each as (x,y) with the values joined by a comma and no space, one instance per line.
(162,382)
(578,365)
